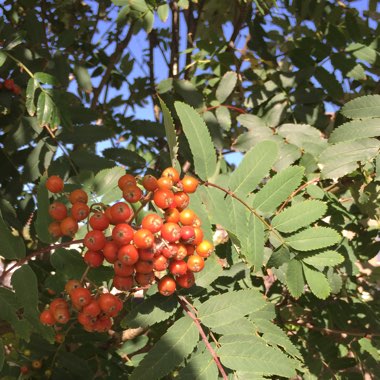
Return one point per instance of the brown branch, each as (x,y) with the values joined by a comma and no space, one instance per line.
(295,192)
(192,26)
(247,206)
(325,330)
(174,54)
(111,64)
(204,337)
(237,24)
(36,253)
(240,110)
(152,44)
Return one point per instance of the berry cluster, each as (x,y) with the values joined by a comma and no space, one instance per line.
(95,313)
(167,246)
(10,85)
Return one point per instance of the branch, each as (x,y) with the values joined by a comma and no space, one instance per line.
(152,44)
(246,205)
(173,68)
(111,64)
(183,301)
(240,110)
(310,326)
(36,253)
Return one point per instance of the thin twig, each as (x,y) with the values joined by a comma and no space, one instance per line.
(240,110)
(174,53)
(36,253)
(204,337)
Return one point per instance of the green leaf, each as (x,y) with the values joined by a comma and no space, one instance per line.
(362,52)
(363,107)
(253,244)
(155,309)
(45,78)
(2,350)
(29,102)
(106,180)
(250,353)
(226,86)
(174,346)
(171,135)
(366,345)
(317,282)
(295,280)
(45,108)
(163,12)
(224,117)
(278,189)
(133,345)
(299,215)
(355,130)
(342,158)
(43,219)
(253,168)
(324,259)
(199,140)
(189,92)
(3,58)
(126,157)
(24,282)
(210,273)
(313,238)
(329,82)
(90,161)
(85,134)
(201,366)
(11,245)
(228,307)
(251,122)
(83,78)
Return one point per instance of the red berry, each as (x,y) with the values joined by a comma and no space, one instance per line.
(58,211)
(132,193)
(177,267)
(171,232)
(94,240)
(146,254)
(128,254)
(181,252)
(189,184)
(144,279)
(144,266)
(54,184)
(69,226)
(205,248)
(166,286)
(186,281)
(187,217)
(80,211)
(16,89)
(109,304)
(80,297)
(152,222)
(181,200)
(122,269)
(143,238)
(198,236)
(126,180)
(54,229)
(122,233)
(47,318)
(195,263)
(99,221)
(78,195)
(9,84)
(149,182)
(170,250)
(171,173)
(92,309)
(160,263)
(120,212)
(110,251)
(123,283)
(165,183)
(187,234)
(61,314)
(71,285)
(163,198)
(24,369)
(172,215)
(93,259)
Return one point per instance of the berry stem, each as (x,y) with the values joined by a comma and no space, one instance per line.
(36,253)
(184,302)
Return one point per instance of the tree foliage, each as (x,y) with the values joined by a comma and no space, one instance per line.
(290,89)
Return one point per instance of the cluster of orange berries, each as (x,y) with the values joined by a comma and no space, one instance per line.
(10,85)
(167,246)
(94,312)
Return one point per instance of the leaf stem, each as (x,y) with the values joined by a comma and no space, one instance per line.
(183,302)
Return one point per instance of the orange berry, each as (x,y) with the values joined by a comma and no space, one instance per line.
(54,184)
